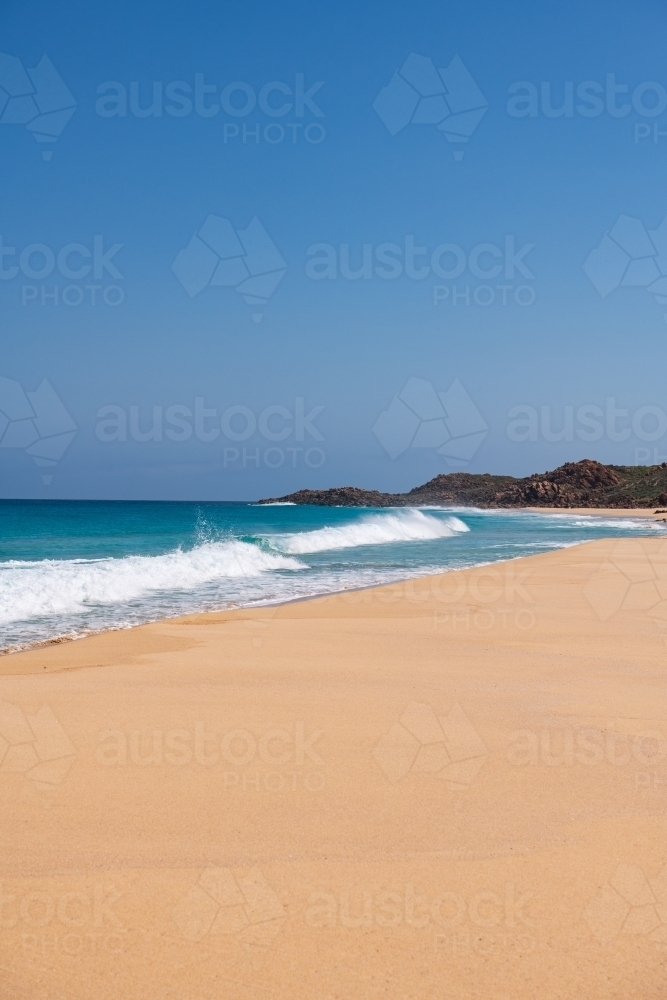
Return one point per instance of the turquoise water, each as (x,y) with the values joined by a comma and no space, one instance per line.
(71,567)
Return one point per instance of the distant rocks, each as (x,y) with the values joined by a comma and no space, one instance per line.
(575,484)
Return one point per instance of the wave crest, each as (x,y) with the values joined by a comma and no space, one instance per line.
(66,587)
(380,529)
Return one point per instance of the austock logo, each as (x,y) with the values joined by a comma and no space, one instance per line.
(236,100)
(590,99)
(36,422)
(420,94)
(36,746)
(75,262)
(368,907)
(630,903)
(421,742)
(36,98)
(218,256)
(484,262)
(180,423)
(58,917)
(244,907)
(632,577)
(629,256)
(420,417)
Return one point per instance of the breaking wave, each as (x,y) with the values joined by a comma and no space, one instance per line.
(399,526)
(65,587)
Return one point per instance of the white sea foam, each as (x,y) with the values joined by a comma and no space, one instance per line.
(380,529)
(591,521)
(41,600)
(31,590)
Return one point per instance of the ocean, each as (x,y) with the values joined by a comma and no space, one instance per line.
(68,568)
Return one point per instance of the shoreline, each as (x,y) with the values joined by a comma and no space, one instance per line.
(462,774)
(632,513)
(649,513)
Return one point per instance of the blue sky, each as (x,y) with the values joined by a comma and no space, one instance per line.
(320,168)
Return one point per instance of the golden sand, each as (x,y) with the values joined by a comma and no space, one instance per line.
(449,789)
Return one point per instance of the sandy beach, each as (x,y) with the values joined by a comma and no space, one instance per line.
(453,788)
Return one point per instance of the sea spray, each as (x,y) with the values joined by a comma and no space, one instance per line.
(72,567)
(59,586)
(383,529)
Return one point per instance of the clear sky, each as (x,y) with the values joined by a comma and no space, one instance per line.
(493,174)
